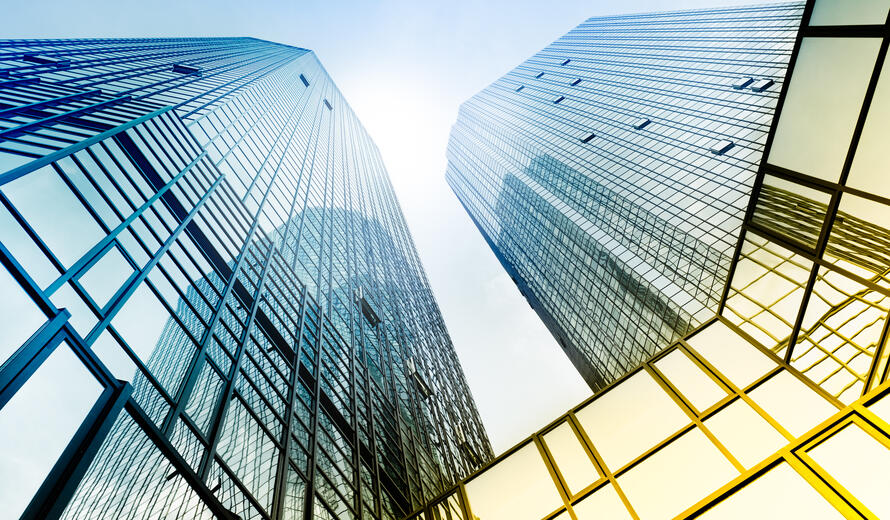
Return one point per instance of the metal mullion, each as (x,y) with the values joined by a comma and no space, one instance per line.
(48,103)
(235,481)
(40,123)
(113,234)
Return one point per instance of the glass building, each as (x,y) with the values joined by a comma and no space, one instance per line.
(210,303)
(779,407)
(609,172)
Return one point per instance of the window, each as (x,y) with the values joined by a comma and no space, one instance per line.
(588,138)
(519,88)
(43,60)
(721,147)
(576,82)
(540,74)
(186,69)
(566,62)
(304,80)
(328,104)
(761,84)
(558,100)
(640,123)
(742,83)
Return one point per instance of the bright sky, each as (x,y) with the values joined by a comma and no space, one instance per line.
(404,66)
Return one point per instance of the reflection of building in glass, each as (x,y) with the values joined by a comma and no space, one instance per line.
(206,221)
(780,406)
(609,172)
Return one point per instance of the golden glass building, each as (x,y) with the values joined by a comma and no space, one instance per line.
(779,407)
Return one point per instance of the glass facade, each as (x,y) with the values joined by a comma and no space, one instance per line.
(609,173)
(211,303)
(779,407)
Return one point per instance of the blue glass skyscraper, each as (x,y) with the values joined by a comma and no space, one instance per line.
(211,303)
(609,172)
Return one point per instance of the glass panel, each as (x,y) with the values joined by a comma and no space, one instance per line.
(106,276)
(54,213)
(791,210)
(797,407)
(19,317)
(695,385)
(871,161)
(630,418)
(822,105)
(850,12)
(676,477)
(517,487)
(38,422)
(860,235)
(839,334)
(602,503)
(766,291)
(730,354)
(859,463)
(780,493)
(745,433)
(882,408)
(571,458)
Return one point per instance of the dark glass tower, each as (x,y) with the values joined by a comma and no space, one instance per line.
(211,303)
(609,173)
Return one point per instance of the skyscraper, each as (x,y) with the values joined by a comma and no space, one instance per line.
(609,172)
(780,406)
(211,303)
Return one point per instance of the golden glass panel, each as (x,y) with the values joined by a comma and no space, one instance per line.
(822,105)
(839,335)
(767,290)
(859,463)
(779,493)
(792,403)
(602,503)
(745,433)
(881,407)
(860,236)
(518,487)
(676,477)
(731,354)
(630,418)
(871,161)
(696,386)
(571,458)
(792,210)
(850,12)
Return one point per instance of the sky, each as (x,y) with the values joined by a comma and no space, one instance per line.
(404,66)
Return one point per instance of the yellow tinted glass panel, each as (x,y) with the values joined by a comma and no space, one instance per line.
(745,433)
(871,161)
(797,407)
(676,477)
(630,419)
(850,12)
(695,385)
(602,503)
(516,488)
(859,462)
(575,465)
(731,354)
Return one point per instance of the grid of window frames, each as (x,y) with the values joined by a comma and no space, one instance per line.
(610,172)
(779,407)
(211,304)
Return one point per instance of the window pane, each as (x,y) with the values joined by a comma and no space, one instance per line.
(745,433)
(676,477)
(850,12)
(734,357)
(516,488)
(630,418)
(54,213)
(571,457)
(859,462)
(797,407)
(38,422)
(872,162)
(106,276)
(19,317)
(602,503)
(695,385)
(822,105)
(780,493)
